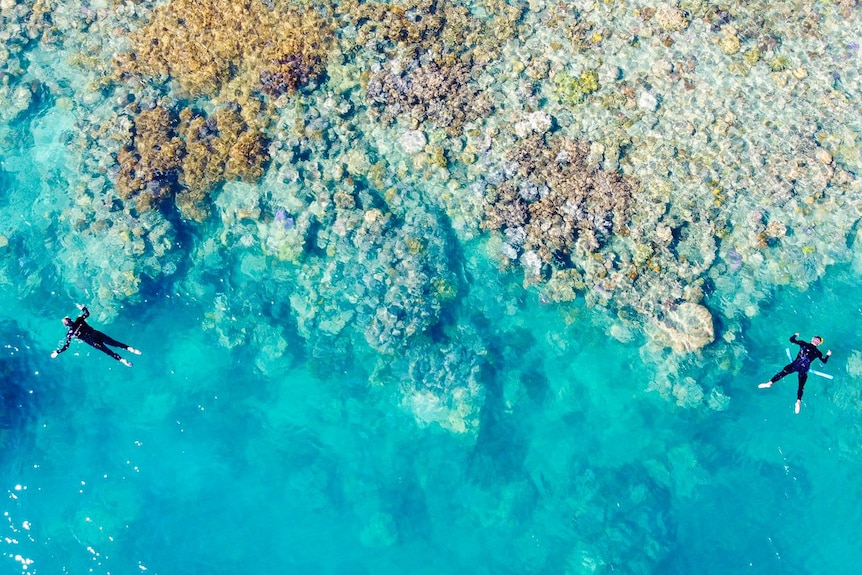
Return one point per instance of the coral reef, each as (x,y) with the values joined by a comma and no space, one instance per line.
(217,47)
(431,73)
(571,89)
(21,25)
(682,377)
(461,100)
(441,30)
(444,96)
(240,60)
(385,273)
(685,327)
(367,164)
(555,206)
(516,118)
(148,167)
(185,156)
(221,147)
(574,228)
(670,18)
(442,384)
(554,210)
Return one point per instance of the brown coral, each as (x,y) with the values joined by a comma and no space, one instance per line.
(149,165)
(208,46)
(247,157)
(219,148)
(189,161)
(226,51)
(408,24)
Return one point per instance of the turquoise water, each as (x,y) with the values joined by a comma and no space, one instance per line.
(182,466)
(280,421)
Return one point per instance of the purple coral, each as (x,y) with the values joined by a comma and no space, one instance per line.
(734,258)
(284,219)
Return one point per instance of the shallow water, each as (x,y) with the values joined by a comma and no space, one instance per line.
(248,437)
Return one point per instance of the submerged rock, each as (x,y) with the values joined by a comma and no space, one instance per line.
(685,328)
(670,18)
(413,141)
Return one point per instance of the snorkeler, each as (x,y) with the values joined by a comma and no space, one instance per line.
(807,353)
(81,330)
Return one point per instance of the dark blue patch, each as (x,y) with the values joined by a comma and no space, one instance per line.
(18,368)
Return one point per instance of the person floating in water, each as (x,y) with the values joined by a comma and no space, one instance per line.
(807,353)
(81,330)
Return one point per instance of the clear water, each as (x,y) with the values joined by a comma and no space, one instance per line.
(204,459)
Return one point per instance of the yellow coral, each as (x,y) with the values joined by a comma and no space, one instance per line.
(414,246)
(444,289)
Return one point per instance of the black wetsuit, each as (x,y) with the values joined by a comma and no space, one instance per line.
(808,352)
(81,330)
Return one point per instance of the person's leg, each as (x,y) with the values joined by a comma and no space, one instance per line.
(789,368)
(96,340)
(803,377)
(108,340)
(103,348)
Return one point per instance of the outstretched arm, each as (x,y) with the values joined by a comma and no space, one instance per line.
(825,358)
(794,340)
(85,313)
(65,345)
